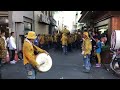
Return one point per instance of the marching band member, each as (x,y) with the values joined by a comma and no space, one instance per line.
(29,55)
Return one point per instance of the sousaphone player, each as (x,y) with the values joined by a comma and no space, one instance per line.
(29,55)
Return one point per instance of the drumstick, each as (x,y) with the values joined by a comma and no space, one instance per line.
(42,63)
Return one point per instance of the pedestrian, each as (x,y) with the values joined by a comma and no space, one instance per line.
(42,41)
(3,36)
(2,51)
(37,41)
(7,40)
(55,40)
(86,51)
(69,43)
(64,40)
(98,51)
(12,48)
(92,56)
(29,56)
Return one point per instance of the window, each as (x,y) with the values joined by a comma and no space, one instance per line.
(27,26)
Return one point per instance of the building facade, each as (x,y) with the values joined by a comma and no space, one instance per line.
(44,22)
(20,22)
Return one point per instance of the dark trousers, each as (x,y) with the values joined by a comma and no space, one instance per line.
(69,47)
(12,55)
(0,68)
(64,49)
(8,49)
(55,45)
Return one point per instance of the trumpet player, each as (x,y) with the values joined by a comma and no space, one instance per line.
(29,55)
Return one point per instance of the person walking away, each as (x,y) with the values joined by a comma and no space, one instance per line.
(98,51)
(86,50)
(64,40)
(12,47)
(2,51)
(29,57)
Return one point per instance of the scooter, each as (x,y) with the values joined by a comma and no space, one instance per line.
(115,62)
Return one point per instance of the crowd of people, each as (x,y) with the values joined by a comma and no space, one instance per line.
(92,48)
(59,41)
(7,46)
(89,43)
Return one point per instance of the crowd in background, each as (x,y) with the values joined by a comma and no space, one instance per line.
(64,42)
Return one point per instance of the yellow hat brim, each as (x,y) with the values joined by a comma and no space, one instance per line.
(31,37)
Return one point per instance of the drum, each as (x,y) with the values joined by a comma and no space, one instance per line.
(42,57)
(115,39)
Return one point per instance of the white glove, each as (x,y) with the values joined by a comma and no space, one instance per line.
(38,66)
(83,52)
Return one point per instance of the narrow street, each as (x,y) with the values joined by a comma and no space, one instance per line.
(64,67)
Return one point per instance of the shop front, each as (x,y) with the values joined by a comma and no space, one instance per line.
(104,27)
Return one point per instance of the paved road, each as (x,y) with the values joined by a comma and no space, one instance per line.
(64,67)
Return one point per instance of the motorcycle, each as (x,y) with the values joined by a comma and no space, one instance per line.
(115,62)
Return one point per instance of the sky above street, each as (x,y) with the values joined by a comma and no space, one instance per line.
(67,17)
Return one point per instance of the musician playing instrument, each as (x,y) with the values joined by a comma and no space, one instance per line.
(29,56)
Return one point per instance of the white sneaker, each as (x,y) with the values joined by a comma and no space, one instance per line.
(12,62)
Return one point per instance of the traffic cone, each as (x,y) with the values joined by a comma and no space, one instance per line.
(16,56)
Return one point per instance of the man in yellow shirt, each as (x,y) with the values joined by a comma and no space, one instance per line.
(42,41)
(64,40)
(86,51)
(29,56)
(55,39)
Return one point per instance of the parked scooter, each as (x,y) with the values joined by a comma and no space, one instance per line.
(115,63)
